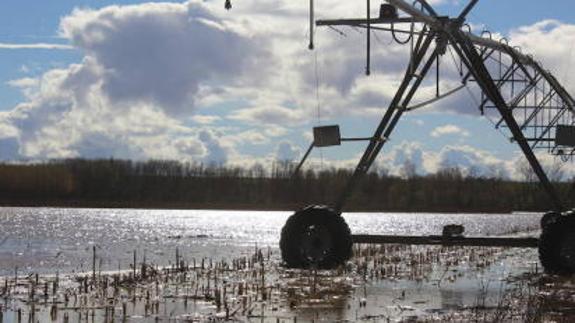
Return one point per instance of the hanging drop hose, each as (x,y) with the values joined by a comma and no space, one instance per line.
(399,41)
(368,51)
(311,19)
(410,38)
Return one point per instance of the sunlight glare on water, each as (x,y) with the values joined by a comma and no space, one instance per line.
(47,240)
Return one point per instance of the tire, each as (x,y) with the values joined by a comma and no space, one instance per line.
(557,246)
(315,237)
(548,218)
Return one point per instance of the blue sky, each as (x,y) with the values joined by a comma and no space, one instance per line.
(243,94)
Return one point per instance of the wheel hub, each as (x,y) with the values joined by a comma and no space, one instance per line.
(316,243)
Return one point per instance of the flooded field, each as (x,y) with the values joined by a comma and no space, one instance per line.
(77,265)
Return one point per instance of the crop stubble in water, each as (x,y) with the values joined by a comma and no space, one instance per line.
(380,282)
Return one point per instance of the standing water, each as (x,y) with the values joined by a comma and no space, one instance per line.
(48,239)
(381,282)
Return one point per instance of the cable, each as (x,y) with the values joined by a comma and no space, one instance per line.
(567,73)
(381,41)
(318,105)
(476,101)
(341,33)
(459,67)
(503,134)
(318,102)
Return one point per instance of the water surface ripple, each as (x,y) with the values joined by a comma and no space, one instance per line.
(47,240)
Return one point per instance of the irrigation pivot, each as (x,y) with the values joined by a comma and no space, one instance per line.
(528,103)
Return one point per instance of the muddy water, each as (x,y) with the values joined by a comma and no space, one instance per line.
(388,283)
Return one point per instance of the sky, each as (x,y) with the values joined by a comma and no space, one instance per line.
(190,81)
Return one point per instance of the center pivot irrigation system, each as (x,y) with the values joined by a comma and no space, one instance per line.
(532,108)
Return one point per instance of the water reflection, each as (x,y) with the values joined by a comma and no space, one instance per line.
(411,282)
(50,239)
(451,299)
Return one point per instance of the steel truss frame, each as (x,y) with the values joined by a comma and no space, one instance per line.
(529,99)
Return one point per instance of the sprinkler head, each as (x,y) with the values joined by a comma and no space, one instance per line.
(228,5)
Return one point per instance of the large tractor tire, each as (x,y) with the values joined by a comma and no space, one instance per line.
(315,237)
(557,246)
(549,217)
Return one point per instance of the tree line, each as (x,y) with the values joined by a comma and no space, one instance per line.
(172,184)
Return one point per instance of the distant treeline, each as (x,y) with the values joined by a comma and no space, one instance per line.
(170,184)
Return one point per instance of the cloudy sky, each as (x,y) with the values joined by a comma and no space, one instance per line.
(191,81)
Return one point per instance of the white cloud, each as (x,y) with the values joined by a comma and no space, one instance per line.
(412,156)
(24,82)
(449,129)
(550,41)
(472,160)
(7,130)
(205,119)
(191,147)
(405,155)
(265,115)
(287,151)
(217,152)
(275,131)
(143,67)
(251,137)
(148,67)
(162,52)
(36,46)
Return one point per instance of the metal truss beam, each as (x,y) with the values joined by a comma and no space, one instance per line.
(473,51)
(467,51)
(409,85)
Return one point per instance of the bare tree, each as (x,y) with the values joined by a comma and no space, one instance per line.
(555,171)
(525,171)
(408,170)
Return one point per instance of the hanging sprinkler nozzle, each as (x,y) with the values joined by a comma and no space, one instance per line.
(311,18)
(228,5)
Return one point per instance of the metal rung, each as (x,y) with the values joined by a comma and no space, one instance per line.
(354,22)
(505,80)
(452,241)
(541,139)
(357,139)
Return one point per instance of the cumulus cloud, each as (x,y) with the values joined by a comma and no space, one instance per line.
(412,157)
(143,68)
(7,130)
(449,129)
(250,137)
(162,52)
(217,152)
(264,115)
(286,151)
(98,145)
(148,67)
(550,41)
(191,147)
(472,161)
(405,157)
